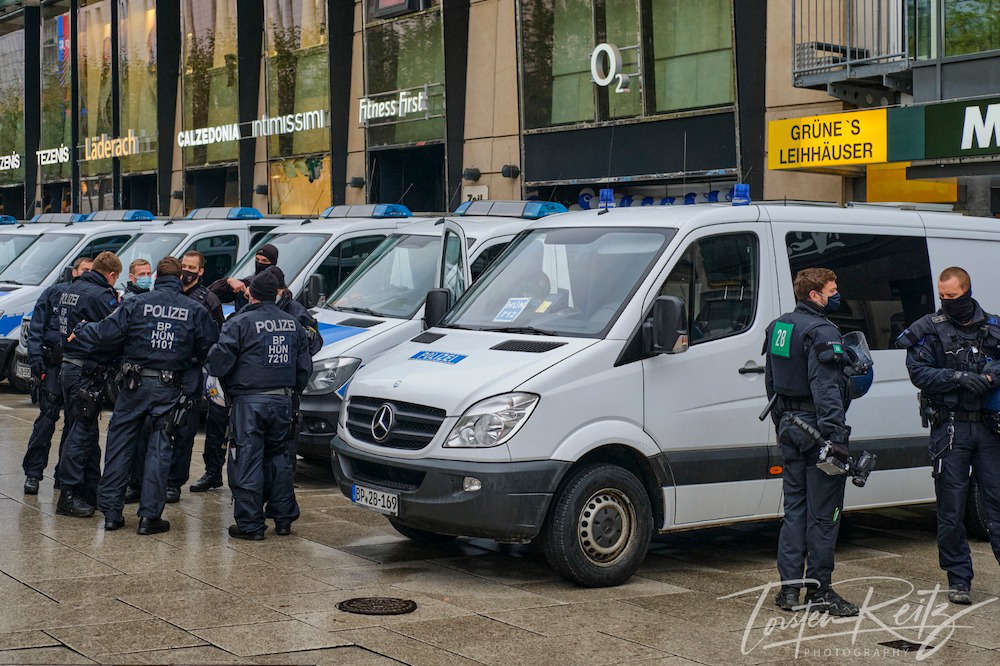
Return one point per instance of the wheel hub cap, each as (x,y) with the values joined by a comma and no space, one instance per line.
(606,526)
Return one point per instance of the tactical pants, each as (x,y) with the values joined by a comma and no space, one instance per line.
(151,401)
(180,458)
(260,468)
(216,423)
(80,459)
(975,450)
(139,458)
(50,402)
(813,503)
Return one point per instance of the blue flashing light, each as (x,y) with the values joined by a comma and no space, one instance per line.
(223,213)
(132,215)
(534,210)
(462,207)
(244,213)
(690,198)
(741,194)
(712,196)
(607,198)
(391,210)
(7,219)
(59,218)
(377,211)
(528,210)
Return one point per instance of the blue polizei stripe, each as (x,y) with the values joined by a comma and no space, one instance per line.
(335,332)
(228,309)
(9,322)
(437,357)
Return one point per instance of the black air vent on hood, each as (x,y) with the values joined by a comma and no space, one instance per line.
(531,346)
(360,323)
(428,338)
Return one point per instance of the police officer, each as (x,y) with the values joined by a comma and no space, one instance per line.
(262,357)
(192,268)
(162,336)
(91,297)
(952,357)
(45,357)
(232,290)
(140,278)
(804,369)
(140,281)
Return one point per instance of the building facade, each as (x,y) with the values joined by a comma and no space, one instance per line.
(294,105)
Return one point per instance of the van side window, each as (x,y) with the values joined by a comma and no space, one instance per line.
(220,255)
(102,244)
(716,277)
(884,281)
(452,277)
(344,258)
(485,258)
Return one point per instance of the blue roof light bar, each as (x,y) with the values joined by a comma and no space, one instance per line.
(378,211)
(529,210)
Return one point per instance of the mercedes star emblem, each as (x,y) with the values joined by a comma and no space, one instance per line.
(382,422)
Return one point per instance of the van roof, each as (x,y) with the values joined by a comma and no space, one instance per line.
(342,225)
(476,227)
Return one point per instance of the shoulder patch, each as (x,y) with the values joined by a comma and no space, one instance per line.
(781,339)
(939,318)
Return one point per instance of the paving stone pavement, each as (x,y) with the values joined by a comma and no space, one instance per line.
(71,594)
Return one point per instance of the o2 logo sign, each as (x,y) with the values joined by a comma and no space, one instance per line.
(606,68)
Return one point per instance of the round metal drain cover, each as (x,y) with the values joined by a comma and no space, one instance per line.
(378,606)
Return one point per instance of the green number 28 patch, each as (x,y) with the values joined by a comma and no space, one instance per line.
(781,339)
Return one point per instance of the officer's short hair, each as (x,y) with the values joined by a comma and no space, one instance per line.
(198,255)
(168,266)
(136,263)
(959,273)
(107,262)
(80,261)
(812,279)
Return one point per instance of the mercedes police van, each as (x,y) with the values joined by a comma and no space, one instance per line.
(603,379)
(16,237)
(43,262)
(381,304)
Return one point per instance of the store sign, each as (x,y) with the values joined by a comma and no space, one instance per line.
(858,137)
(603,75)
(103,147)
(959,129)
(265,126)
(58,155)
(398,106)
(10,162)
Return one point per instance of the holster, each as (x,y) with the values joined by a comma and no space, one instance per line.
(87,401)
(51,355)
(175,419)
(131,375)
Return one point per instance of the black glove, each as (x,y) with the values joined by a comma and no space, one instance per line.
(973,382)
(840,450)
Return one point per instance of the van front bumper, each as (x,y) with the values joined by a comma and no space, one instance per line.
(319,425)
(511,505)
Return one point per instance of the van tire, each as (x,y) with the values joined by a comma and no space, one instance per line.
(418,535)
(567,540)
(975,512)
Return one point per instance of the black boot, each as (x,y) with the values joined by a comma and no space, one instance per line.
(206,482)
(237,533)
(787,598)
(830,602)
(71,505)
(152,526)
(173,495)
(113,522)
(132,494)
(31,486)
(282,528)
(959,594)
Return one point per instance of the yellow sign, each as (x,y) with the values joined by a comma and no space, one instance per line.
(858,137)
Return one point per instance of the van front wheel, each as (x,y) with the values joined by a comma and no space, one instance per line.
(599,527)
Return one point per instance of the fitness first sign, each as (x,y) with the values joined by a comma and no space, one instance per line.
(264,126)
(392,107)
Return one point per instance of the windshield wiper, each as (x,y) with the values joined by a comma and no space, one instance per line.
(367,311)
(464,328)
(20,284)
(527,330)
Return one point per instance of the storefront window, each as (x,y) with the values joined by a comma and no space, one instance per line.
(922,28)
(56,104)
(300,186)
(971,26)
(94,53)
(210,76)
(137,46)
(12,105)
(405,80)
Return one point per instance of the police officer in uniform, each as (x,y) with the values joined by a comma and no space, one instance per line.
(953,357)
(91,297)
(804,369)
(232,290)
(163,336)
(192,268)
(140,278)
(45,344)
(262,357)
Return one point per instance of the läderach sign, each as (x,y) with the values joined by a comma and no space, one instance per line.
(858,137)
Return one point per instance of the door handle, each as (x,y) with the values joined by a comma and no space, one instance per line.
(751,368)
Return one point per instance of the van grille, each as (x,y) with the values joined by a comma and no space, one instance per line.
(387,476)
(414,427)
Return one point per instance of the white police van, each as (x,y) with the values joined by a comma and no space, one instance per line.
(16,237)
(562,400)
(381,304)
(43,262)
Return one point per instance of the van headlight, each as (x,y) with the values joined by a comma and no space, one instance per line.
(492,421)
(330,374)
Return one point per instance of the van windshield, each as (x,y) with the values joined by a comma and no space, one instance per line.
(12,245)
(393,281)
(151,247)
(36,263)
(571,282)
(294,252)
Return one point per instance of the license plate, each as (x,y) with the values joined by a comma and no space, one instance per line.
(376,499)
(22,371)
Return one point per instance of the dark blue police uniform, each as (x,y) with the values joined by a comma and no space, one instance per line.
(135,478)
(804,368)
(45,357)
(88,298)
(262,357)
(944,359)
(162,331)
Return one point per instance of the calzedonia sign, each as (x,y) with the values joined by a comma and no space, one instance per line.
(264,126)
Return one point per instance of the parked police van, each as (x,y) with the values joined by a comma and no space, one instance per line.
(381,304)
(559,400)
(42,263)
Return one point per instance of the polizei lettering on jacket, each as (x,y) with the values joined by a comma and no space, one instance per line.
(275,325)
(69,299)
(165,312)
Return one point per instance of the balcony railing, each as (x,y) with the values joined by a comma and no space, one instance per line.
(839,40)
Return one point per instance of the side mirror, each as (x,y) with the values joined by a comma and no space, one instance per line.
(666,332)
(437,304)
(312,294)
(66,275)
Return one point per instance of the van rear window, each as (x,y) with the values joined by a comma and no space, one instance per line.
(884,281)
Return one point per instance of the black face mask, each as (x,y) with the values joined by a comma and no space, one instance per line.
(188,278)
(259,266)
(961,309)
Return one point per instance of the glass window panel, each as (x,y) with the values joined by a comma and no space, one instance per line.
(622,25)
(55,75)
(12,103)
(137,46)
(971,26)
(220,255)
(300,186)
(210,75)
(94,53)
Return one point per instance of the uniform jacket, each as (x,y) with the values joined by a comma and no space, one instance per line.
(288,304)
(131,291)
(43,329)
(209,300)
(89,298)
